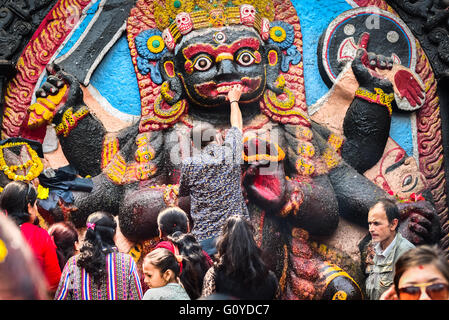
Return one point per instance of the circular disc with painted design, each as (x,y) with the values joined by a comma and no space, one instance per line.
(388,36)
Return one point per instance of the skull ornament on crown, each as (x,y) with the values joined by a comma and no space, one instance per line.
(184,22)
(247,14)
(168,39)
(265,30)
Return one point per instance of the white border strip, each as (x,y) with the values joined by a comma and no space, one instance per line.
(352,3)
(84,34)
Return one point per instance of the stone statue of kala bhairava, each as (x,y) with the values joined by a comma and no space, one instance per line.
(299,177)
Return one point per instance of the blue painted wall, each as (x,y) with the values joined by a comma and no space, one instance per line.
(314,17)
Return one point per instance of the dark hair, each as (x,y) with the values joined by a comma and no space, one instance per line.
(194,263)
(390,208)
(172,219)
(98,242)
(65,235)
(164,260)
(15,199)
(421,255)
(240,257)
(202,135)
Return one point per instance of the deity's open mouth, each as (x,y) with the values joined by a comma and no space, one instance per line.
(212,89)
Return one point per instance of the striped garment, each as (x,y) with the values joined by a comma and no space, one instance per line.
(122,281)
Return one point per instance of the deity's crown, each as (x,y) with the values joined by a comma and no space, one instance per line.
(177,18)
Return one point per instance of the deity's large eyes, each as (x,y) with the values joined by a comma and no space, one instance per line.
(202,63)
(245,58)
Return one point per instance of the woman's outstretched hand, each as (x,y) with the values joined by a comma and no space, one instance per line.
(235,93)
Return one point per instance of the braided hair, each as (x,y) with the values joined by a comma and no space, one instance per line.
(98,243)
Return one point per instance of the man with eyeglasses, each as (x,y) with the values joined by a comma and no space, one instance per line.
(383,222)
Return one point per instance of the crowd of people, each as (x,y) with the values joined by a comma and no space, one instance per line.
(217,257)
(94,269)
(178,268)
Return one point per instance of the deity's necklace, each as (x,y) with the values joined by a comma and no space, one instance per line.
(35,163)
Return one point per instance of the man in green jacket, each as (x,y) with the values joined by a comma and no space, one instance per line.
(383,221)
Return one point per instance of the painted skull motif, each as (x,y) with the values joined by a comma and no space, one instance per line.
(247,14)
(184,22)
(168,39)
(265,30)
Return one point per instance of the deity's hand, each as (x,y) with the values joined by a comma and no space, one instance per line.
(265,186)
(366,66)
(419,222)
(408,87)
(59,90)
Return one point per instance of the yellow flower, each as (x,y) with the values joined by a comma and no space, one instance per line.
(3,251)
(42,192)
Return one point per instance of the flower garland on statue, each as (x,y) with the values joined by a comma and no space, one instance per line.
(35,164)
(413,197)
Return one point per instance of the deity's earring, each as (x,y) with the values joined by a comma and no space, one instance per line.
(167,94)
(279,102)
(288,99)
(273,68)
(171,88)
